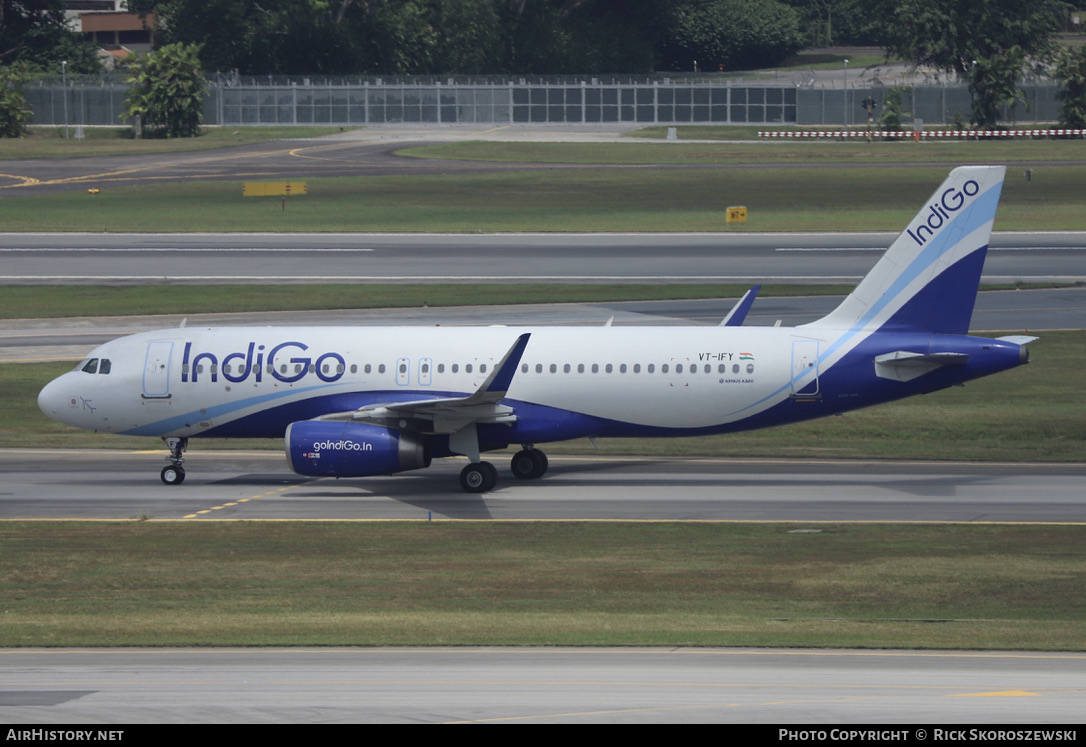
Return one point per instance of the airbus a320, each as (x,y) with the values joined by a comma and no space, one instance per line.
(360,401)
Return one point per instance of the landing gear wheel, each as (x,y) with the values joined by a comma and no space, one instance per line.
(173,475)
(528,464)
(478,477)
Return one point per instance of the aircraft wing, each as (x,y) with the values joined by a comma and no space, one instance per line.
(447,414)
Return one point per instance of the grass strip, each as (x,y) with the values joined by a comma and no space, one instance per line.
(48,141)
(1034,413)
(556,584)
(57,301)
(619,200)
(741,146)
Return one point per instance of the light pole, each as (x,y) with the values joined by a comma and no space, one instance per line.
(844,96)
(64,86)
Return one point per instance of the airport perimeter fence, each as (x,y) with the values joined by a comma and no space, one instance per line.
(236,102)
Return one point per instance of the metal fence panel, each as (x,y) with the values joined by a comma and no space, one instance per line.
(283,102)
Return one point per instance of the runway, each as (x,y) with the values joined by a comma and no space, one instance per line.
(679,685)
(223,485)
(1018,257)
(824,688)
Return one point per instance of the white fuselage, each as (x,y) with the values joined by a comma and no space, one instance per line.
(188,382)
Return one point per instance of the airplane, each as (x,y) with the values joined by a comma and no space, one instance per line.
(362,401)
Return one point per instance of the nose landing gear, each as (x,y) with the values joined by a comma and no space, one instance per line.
(174,473)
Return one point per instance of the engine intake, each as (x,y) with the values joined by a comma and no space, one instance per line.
(326,448)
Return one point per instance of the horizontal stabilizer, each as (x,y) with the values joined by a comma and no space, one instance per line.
(1018,339)
(901,365)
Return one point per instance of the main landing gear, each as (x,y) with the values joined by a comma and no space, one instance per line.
(481,477)
(528,464)
(174,473)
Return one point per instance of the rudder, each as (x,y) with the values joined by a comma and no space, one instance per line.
(928,278)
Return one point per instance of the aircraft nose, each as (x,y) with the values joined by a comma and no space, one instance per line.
(51,399)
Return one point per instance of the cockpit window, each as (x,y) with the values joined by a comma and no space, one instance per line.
(90,366)
(105,366)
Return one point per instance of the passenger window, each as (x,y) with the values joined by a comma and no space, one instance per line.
(566,368)
(482,368)
(539,368)
(678,368)
(456,368)
(467,368)
(381,368)
(354,368)
(595,368)
(663,368)
(651,368)
(637,368)
(580,368)
(554,368)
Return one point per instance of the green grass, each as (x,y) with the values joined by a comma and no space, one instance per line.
(1034,413)
(56,301)
(598,200)
(562,584)
(758,152)
(49,142)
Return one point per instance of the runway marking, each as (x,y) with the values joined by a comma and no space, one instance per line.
(25,181)
(1003,694)
(238,501)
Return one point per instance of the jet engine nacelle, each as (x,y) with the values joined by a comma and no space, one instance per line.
(326,448)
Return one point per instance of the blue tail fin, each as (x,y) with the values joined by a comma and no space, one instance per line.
(928,278)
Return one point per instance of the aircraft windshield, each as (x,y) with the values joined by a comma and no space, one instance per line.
(92,365)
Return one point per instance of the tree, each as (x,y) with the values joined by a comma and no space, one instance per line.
(1071,74)
(14,114)
(988,43)
(168,90)
(739,34)
(828,23)
(993,85)
(35,34)
(893,110)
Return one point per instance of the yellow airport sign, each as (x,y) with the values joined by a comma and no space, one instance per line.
(736,215)
(273,189)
